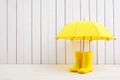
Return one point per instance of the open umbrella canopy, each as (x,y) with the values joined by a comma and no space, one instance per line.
(84,30)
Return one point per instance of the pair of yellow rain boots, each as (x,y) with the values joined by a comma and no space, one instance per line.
(82,62)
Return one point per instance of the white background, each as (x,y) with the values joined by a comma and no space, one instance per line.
(28,29)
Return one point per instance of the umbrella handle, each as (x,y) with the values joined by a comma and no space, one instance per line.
(89,46)
(83,43)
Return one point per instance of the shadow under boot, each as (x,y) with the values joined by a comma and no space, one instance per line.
(77,61)
(86,63)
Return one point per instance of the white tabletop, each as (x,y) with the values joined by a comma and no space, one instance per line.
(56,72)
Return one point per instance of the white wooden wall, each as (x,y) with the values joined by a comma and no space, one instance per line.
(28,29)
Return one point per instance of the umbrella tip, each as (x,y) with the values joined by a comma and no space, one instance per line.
(84,18)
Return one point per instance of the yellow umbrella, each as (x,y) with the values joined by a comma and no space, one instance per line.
(84,30)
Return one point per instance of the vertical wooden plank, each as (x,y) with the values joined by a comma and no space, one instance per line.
(3,31)
(116,30)
(101,44)
(60,25)
(52,30)
(76,10)
(93,18)
(27,31)
(20,32)
(109,26)
(45,31)
(36,36)
(76,17)
(12,31)
(85,16)
(69,18)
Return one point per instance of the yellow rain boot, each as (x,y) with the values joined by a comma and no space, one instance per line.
(77,61)
(86,63)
